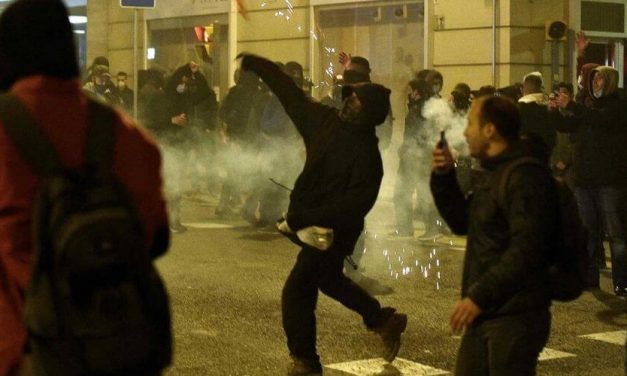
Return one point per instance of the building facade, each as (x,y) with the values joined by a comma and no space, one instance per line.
(480,42)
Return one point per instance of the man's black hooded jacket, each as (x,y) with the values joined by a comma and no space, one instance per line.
(343,170)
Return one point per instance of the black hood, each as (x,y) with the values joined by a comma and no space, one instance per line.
(374,98)
(36,38)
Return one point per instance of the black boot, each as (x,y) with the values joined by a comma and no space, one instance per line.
(390,332)
(304,367)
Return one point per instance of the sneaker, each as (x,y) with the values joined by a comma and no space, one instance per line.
(304,367)
(390,332)
(620,291)
(177,228)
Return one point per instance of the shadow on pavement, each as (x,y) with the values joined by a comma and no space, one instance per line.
(617,307)
(262,237)
(245,229)
(389,370)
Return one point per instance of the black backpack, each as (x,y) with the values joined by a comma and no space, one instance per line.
(95,304)
(570,257)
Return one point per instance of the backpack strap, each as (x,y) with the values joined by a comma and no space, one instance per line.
(31,143)
(501,193)
(100,139)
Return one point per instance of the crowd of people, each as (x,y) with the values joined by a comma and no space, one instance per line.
(309,169)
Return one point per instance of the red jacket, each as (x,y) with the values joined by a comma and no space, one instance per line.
(60,108)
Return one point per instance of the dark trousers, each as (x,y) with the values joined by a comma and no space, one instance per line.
(600,212)
(320,270)
(506,346)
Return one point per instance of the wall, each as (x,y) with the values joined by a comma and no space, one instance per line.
(463,40)
(529,51)
(280,36)
(462,43)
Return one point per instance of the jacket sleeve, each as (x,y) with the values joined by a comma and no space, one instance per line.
(160,243)
(306,114)
(532,215)
(450,201)
(569,120)
(356,202)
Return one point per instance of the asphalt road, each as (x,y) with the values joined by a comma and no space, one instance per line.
(225,281)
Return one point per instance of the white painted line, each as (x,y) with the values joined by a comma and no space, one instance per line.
(550,354)
(378,366)
(207,225)
(205,333)
(616,338)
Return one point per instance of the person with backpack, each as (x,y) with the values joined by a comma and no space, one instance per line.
(81,215)
(506,284)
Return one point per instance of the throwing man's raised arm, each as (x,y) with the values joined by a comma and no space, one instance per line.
(306,114)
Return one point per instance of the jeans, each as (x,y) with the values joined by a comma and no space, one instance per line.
(504,346)
(599,208)
(320,270)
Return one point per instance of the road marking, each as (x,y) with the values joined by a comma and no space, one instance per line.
(205,333)
(616,338)
(378,366)
(207,225)
(550,354)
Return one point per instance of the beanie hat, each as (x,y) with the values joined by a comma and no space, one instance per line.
(36,38)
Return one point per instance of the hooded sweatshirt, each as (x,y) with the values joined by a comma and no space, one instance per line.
(600,128)
(583,96)
(610,78)
(343,169)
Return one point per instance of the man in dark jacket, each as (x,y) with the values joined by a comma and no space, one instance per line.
(599,164)
(336,189)
(533,111)
(235,112)
(505,286)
